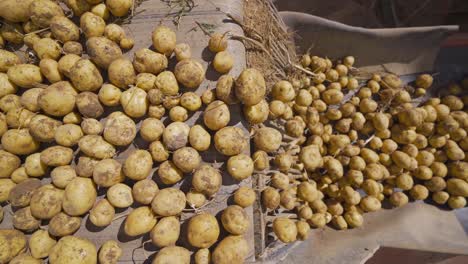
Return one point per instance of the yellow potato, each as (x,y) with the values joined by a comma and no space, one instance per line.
(108,172)
(175,135)
(63,225)
(66,63)
(166,82)
(46,202)
(96,147)
(172,254)
(6,187)
(190,73)
(73,48)
(114,32)
(19,142)
(250,87)
(19,117)
(203,230)
(49,68)
(85,76)
(68,135)
(267,139)
(232,249)
(110,252)
(165,232)
(164,40)
(207,180)
(151,129)
(119,8)
(63,29)
(7,60)
(216,115)
(102,213)
(73,250)
(15,11)
(218,42)
(109,95)
(12,243)
(138,165)
(244,196)
(42,12)
(257,114)
(223,62)
(235,220)
(57,156)
(119,129)
(100,10)
(47,48)
(120,195)
(62,176)
(40,244)
(182,51)
(140,221)
(25,75)
(147,61)
(92,25)
(199,138)
(240,166)
(80,195)
(9,102)
(168,202)
(134,102)
(121,73)
(103,51)
(230,141)
(144,191)
(8,163)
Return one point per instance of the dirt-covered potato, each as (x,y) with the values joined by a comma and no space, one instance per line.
(172,254)
(68,135)
(164,40)
(15,11)
(66,63)
(190,73)
(42,12)
(119,8)
(267,139)
(46,202)
(186,159)
(168,202)
(203,230)
(72,118)
(73,250)
(250,87)
(110,252)
(9,102)
(63,225)
(457,187)
(302,230)
(138,165)
(92,25)
(20,195)
(225,89)
(151,129)
(25,75)
(72,47)
(202,256)
(199,138)
(85,166)
(140,221)
(230,141)
(12,243)
(6,185)
(102,213)
(8,163)
(7,87)
(63,29)
(121,73)
(158,151)
(232,249)
(285,229)
(18,117)
(223,62)
(207,180)
(216,115)
(146,81)
(175,135)
(148,61)
(107,173)
(218,42)
(12,33)
(119,129)
(19,142)
(166,83)
(120,195)
(235,220)
(29,99)
(208,96)
(85,76)
(144,191)
(96,147)
(109,95)
(134,102)
(19,175)
(240,166)
(165,232)
(34,166)
(114,32)
(244,196)
(91,126)
(47,48)
(7,60)
(80,195)
(88,105)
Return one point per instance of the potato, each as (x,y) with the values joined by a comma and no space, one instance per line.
(302,230)
(199,138)
(235,220)
(168,202)
(42,12)
(457,187)
(20,195)
(178,114)
(109,95)
(230,141)
(223,62)
(216,115)
(270,198)
(92,25)
(101,10)
(9,102)
(285,229)
(62,176)
(454,152)
(40,244)
(12,33)
(110,252)
(119,129)
(85,76)
(120,195)
(7,60)
(12,243)
(218,42)
(164,40)
(63,225)
(19,142)
(256,114)
(119,8)
(8,163)
(92,126)
(18,117)
(19,175)
(207,180)
(151,129)
(107,173)
(190,73)
(68,135)
(202,256)
(114,32)
(63,29)
(47,48)
(140,221)
(80,195)
(24,258)
(85,166)
(102,213)
(46,202)
(72,118)
(244,196)
(34,166)
(186,159)
(146,81)
(208,96)
(138,165)
(127,43)
(172,254)
(29,99)
(15,11)
(6,187)
(370,204)
(25,75)
(88,105)
(96,147)
(250,87)
(165,232)
(240,166)
(134,102)
(73,250)
(121,73)
(267,139)
(72,47)
(182,51)
(203,230)
(195,199)
(57,156)
(144,191)
(66,63)
(232,249)
(158,151)
(175,135)
(148,61)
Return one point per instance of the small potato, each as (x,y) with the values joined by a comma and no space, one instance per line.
(19,175)
(110,252)
(8,163)
(25,75)
(208,96)
(63,225)
(9,102)
(120,195)
(63,29)
(146,82)
(169,174)
(267,139)
(151,129)
(195,199)
(144,191)
(158,151)
(92,126)
(66,63)
(398,199)
(19,142)
(100,10)
(80,195)
(85,76)
(92,25)
(216,115)
(34,166)
(6,186)
(244,196)
(285,229)
(29,99)
(370,204)
(230,141)
(20,195)
(168,202)
(62,176)
(164,40)
(85,166)
(190,73)
(72,47)
(119,129)
(108,172)
(223,62)
(199,138)
(172,254)
(235,220)
(218,42)
(203,230)
(12,242)
(270,198)
(68,135)
(114,32)
(165,232)
(202,256)
(40,244)
(6,86)
(109,95)
(102,213)
(46,202)
(7,60)
(457,187)
(57,156)
(175,135)
(190,101)
(148,61)
(127,43)
(257,114)
(134,102)
(42,12)
(250,87)
(178,114)
(240,166)
(182,51)
(121,73)
(47,48)
(140,221)
(138,165)
(119,8)
(71,249)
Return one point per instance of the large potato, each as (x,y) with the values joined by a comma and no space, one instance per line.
(80,195)
(207,180)
(168,202)
(8,163)
(24,221)
(42,12)
(138,165)
(64,225)
(175,135)
(96,147)
(267,139)
(235,220)
(40,243)
(103,51)
(57,156)
(202,230)
(250,87)
(232,249)
(25,75)
(140,221)
(20,195)
(6,185)
(102,213)
(144,191)
(88,105)
(230,141)
(19,142)
(73,250)
(148,61)
(186,159)
(110,252)
(12,242)
(172,254)
(121,73)
(58,99)
(190,73)
(119,129)
(68,135)
(216,115)
(29,99)
(134,102)
(166,232)
(46,202)
(7,60)
(15,10)
(92,25)
(107,173)
(85,76)
(63,29)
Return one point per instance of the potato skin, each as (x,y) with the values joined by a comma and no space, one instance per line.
(285,229)
(102,213)
(40,244)
(110,252)
(216,115)
(15,11)
(203,230)
(144,191)
(138,165)
(119,129)
(103,51)
(96,147)
(57,156)
(85,76)
(19,142)
(25,75)
(92,25)
(107,173)
(232,249)
(175,135)
(20,195)
(63,225)
(250,87)
(165,232)
(121,73)
(88,105)
(168,202)
(12,242)
(80,195)
(73,250)
(8,163)
(147,61)
(172,254)
(230,141)
(24,221)
(42,12)
(64,29)
(207,180)
(46,202)
(190,73)
(140,221)
(235,220)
